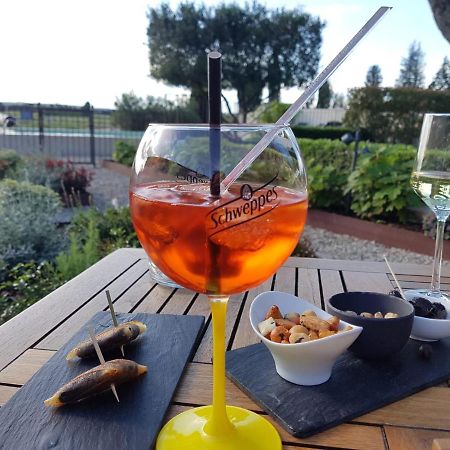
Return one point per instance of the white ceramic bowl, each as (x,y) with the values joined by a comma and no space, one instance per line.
(307,363)
(430,329)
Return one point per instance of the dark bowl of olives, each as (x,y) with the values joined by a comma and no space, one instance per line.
(431,319)
(386,320)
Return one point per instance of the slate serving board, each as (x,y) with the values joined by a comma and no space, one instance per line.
(101,422)
(356,386)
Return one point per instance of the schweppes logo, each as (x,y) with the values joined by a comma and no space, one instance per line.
(250,205)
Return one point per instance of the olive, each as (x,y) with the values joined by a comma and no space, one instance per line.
(395,293)
(438,311)
(425,351)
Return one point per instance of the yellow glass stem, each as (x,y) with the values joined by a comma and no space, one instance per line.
(218,423)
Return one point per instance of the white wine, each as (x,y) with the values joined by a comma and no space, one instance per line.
(433,188)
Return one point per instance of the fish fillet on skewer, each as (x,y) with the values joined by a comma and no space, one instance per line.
(95,381)
(112,338)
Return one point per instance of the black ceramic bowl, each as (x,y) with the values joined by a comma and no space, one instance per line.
(379,338)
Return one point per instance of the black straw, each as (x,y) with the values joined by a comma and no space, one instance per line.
(214,104)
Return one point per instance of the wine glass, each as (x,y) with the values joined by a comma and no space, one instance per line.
(430,180)
(217,245)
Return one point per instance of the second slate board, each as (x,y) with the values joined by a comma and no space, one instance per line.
(356,386)
(101,422)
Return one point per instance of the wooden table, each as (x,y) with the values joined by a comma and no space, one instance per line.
(29,340)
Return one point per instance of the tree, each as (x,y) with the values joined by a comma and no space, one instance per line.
(260,47)
(325,96)
(411,71)
(373,77)
(441,80)
(441,12)
(292,49)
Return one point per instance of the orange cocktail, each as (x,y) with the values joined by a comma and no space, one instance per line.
(221,246)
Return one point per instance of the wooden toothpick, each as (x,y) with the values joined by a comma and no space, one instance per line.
(113,315)
(101,358)
(395,278)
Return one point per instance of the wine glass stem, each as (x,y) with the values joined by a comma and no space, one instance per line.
(218,422)
(436,277)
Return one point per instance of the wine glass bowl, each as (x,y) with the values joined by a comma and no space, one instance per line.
(217,246)
(430,180)
(218,242)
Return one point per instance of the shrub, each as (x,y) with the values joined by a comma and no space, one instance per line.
(63,177)
(27,222)
(10,162)
(26,284)
(135,113)
(380,185)
(271,112)
(124,153)
(80,255)
(328,167)
(393,115)
(114,227)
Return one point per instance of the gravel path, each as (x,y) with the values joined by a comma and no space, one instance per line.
(341,246)
(108,188)
(111,189)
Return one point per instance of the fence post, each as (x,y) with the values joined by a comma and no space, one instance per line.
(92,134)
(41,127)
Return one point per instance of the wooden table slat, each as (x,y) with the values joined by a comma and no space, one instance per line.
(6,392)
(204,351)
(331,283)
(370,282)
(25,366)
(412,439)
(245,335)
(308,286)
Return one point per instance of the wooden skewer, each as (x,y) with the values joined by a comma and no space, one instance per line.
(395,278)
(114,318)
(101,358)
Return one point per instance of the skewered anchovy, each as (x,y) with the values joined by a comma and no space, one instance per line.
(109,339)
(95,381)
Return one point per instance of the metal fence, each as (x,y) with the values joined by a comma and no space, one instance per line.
(80,134)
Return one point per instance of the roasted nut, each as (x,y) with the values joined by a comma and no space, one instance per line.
(309,312)
(326,333)
(367,315)
(279,334)
(313,335)
(284,342)
(351,313)
(378,315)
(293,317)
(348,328)
(266,326)
(274,312)
(297,338)
(299,329)
(314,323)
(390,315)
(334,323)
(284,323)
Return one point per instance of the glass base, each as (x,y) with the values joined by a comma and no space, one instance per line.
(186,431)
(159,277)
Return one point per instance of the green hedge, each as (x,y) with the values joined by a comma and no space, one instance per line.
(393,115)
(379,187)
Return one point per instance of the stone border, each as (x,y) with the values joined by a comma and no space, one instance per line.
(388,235)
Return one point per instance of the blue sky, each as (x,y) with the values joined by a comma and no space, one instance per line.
(70,52)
